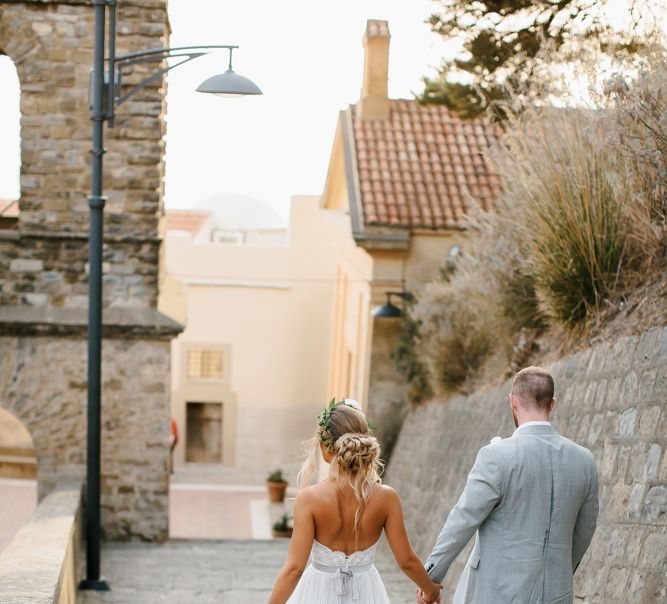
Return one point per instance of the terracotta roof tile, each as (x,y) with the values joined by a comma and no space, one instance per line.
(421,167)
(9,208)
(186,220)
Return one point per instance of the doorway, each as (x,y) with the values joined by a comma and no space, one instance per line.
(203,432)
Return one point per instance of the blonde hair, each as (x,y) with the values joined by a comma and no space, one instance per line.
(356,461)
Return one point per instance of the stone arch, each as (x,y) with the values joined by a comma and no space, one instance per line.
(10,142)
(17,450)
(18,465)
(42,382)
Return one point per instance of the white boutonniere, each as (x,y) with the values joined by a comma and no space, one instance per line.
(496,439)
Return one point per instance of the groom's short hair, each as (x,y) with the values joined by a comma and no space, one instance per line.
(534,384)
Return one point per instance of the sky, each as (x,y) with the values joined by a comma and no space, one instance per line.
(305,55)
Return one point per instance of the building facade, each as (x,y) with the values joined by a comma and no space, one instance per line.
(402,176)
(249,372)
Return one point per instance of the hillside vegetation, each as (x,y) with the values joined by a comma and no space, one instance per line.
(578,231)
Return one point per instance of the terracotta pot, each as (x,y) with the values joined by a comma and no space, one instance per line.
(276,491)
(281,534)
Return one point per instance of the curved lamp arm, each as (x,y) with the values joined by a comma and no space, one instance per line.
(114,98)
(157,55)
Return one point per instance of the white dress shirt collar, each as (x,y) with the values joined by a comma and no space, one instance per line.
(535,423)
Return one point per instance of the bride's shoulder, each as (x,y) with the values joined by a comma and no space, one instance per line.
(387,494)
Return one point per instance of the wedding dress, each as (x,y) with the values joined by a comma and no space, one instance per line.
(336,578)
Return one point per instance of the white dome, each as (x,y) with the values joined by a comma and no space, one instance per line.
(233,211)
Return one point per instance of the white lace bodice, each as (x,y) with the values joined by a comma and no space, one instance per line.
(321,554)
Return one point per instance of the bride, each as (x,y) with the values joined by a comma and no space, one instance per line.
(338,522)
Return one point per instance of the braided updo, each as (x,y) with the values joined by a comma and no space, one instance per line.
(356,452)
(356,462)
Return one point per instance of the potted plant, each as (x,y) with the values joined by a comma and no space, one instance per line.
(282,528)
(276,485)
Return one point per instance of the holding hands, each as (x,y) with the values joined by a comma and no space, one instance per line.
(430,597)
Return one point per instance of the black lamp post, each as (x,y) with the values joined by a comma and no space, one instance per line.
(105,97)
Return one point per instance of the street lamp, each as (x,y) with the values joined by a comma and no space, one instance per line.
(389,310)
(105,96)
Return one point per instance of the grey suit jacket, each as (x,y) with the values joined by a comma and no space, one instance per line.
(533,501)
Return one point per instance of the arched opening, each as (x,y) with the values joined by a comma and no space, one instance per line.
(18,476)
(10,142)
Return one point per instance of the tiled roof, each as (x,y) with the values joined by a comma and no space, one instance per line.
(8,208)
(186,220)
(421,167)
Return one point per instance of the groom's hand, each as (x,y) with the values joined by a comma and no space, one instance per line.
(422,598)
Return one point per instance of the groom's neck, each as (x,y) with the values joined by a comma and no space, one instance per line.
(533,417)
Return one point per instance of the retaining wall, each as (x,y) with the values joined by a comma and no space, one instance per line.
(39,565)
(611,399)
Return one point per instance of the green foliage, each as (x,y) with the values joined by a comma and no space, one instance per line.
(504,44)
(408,361)
(276,476)
(282,525)
(565,187)
(581,220)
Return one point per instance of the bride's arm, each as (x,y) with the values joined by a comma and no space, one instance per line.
(405,556)
(299,550)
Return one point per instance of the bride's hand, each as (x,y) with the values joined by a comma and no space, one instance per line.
(434,594)
(430,597)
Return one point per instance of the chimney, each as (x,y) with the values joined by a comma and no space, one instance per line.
(374,101)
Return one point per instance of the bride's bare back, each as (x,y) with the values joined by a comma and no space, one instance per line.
(333,512)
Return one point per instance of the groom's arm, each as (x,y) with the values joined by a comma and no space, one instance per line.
(480,496)
(584,527)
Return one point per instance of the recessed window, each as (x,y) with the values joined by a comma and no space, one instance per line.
(227,236)
(204,364)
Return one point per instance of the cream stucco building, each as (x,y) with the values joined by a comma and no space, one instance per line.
(402,176)
(249,372)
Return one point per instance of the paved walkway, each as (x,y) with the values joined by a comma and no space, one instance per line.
(206,572)
(211,501)
(18,500)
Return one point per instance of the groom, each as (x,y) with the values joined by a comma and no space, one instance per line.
(532,499)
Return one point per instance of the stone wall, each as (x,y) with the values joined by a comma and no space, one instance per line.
(44,262)
(43,383)
(40,565)
(611,399)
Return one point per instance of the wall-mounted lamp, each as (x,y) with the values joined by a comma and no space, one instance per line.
(389,310)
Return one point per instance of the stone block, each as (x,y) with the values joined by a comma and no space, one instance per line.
(629,388)
(646,384)
(626,425)
(617,579)
(648,424)
(654,550)
(654,508)
(649,348)
(635,503)
(652,461)
(36,299)
(26,265)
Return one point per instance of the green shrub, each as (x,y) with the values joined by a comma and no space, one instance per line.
(567,191)
(408,361)
(582,216)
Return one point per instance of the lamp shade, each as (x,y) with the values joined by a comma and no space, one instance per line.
(387,311)
(229,84)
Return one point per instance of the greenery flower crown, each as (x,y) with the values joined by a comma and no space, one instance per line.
(324,419)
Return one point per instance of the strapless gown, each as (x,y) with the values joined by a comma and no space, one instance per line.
(336,578)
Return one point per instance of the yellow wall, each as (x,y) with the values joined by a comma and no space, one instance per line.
(269,309)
